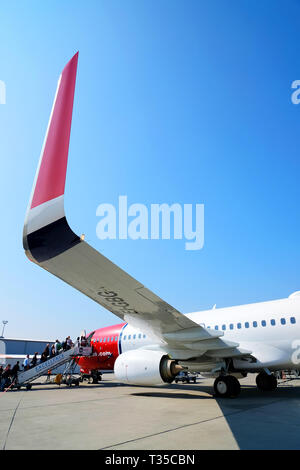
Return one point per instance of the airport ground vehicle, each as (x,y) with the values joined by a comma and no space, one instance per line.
(155,341)
(185,377)
(93,376)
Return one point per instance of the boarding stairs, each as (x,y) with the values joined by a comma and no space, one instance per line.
(28,376)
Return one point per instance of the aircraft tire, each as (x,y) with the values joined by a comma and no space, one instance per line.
(227,386)
(265,382)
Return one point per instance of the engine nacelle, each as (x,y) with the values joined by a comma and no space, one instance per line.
(145,367)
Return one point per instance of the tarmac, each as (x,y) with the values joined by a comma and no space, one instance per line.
(112,416)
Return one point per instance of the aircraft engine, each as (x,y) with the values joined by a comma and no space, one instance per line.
(145,367)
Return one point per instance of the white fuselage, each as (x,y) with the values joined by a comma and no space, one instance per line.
(270,330)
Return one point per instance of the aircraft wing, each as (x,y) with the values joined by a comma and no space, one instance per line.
(50,242)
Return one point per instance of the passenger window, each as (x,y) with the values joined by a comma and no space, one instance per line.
(263,323)
(140,336)
(282,321)
(144,336)
(97,340)
(216,327)
(293,320)
(104,340)
(108,339)
(116,338)
(112,338)
(255,324)
(273,322)
(239,325)
(124,337)
(129,336)
(231,326)
(223,327)
(246,324)
(133,336)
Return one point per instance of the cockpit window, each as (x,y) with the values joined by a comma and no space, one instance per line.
(89,338)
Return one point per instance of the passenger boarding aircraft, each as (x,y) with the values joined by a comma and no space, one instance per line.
(154,341)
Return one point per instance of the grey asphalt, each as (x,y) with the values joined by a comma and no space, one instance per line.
(174,417)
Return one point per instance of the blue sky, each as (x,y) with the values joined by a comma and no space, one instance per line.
(186,102)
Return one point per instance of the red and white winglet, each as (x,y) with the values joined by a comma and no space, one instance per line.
(45,214)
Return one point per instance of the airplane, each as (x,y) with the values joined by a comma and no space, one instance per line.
(154,341)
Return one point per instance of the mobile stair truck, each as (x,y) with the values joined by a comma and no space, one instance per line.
(25,378)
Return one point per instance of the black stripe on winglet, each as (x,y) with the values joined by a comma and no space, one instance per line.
(51,240)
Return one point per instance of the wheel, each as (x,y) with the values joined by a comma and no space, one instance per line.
(265,382)
(176,381)
(194,381)
(227,386)
(28,386)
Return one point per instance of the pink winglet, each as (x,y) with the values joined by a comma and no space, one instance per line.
(51,178)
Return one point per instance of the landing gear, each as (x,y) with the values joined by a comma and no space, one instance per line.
(265,382)
(227,386)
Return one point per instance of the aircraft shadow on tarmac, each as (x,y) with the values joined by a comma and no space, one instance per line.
(182,391)
(264,420)
(171,395)
(257,420)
